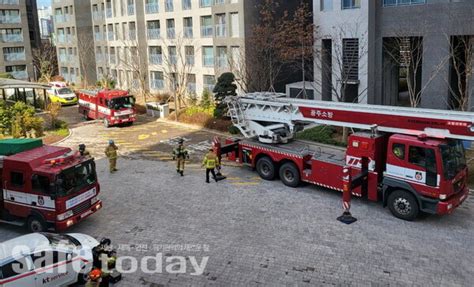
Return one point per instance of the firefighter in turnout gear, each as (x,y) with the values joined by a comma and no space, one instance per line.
(111,153)
(210,162)
(83,151)
(180,154)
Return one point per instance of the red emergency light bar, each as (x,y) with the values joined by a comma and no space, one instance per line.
(60,159)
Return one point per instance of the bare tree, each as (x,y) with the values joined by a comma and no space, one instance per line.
(408,53)
(45,62)
(135,63)
(242,72)
(278,42)
(341,62)
(461,53)
(177,67)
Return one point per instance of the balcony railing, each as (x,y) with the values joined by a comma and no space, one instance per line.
(170,33)
(169,7)
(98,36)
(208,61)
(186,5)
(157,84)
(61,39)
(206,31)
(188,32)
(209,87)
(10,19)
(98,16)
(152,8)
(221,62)
(156,59)
(61,18)
(153,34)
(21,75)
(110,35)
(11,38)
(131,9)
(189,60)
(11,57)
(173,59)
(132,35)
(9,2)
(99,58)
(113,59)
(192,87)
(63,58)
(205,3)
(221,30)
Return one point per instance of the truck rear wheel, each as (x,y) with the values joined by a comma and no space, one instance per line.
(266,168)
(85,116)
(35,224)
(403,205)
(289,174)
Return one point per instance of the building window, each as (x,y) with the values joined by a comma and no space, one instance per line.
(350,59)
(221,28)
(221,57)
(186,4)
(188,27)
(326,5)
(402,2)
(205,3)
(169,7)
(191,85)
(208,56)
(170,32)
(350,4)
(189,55)
(155,55)
(157,80)
(152,6)
(206,26)
(209,82)
(153,30)
(234,25)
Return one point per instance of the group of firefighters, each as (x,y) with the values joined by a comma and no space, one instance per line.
(180,155)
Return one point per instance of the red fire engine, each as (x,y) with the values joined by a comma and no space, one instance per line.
(46,186)
(412,160)
(114,107)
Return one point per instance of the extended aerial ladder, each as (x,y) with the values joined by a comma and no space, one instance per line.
(275,118)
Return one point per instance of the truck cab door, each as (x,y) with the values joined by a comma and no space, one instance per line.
(16,200)
(423,162)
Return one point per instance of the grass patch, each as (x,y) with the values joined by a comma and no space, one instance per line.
(321,134)
(63,132)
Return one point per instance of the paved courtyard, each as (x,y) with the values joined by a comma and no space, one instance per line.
(256,232)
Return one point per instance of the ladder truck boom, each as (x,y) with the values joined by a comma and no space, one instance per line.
(412,160)
(274,118)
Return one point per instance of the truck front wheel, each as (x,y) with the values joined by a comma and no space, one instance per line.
(35,224)
(289,174)
(266,168)
(403,205)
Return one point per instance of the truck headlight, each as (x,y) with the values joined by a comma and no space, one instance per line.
(65,215)
(442,196)
(94,200)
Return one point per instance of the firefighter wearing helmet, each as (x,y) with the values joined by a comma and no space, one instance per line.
(83,151)
(180,154)
(210,162)
(111,153)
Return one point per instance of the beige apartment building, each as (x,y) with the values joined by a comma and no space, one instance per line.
(15,40)
(171,37)
(74,40)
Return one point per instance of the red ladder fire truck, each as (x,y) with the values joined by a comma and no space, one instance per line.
(412,160)
(113,107)
(46,186)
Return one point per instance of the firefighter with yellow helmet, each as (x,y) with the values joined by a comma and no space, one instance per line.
(180,154)
(211,162)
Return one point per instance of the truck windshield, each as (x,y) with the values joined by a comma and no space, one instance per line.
(454,159)
(74,179)
(61,239)
(120,103)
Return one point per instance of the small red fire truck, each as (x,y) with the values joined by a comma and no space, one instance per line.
(412,160)
(46,186)
(114,107)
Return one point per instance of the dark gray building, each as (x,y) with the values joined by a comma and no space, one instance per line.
(396,52)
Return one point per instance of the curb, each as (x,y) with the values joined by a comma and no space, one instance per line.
(64,139)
